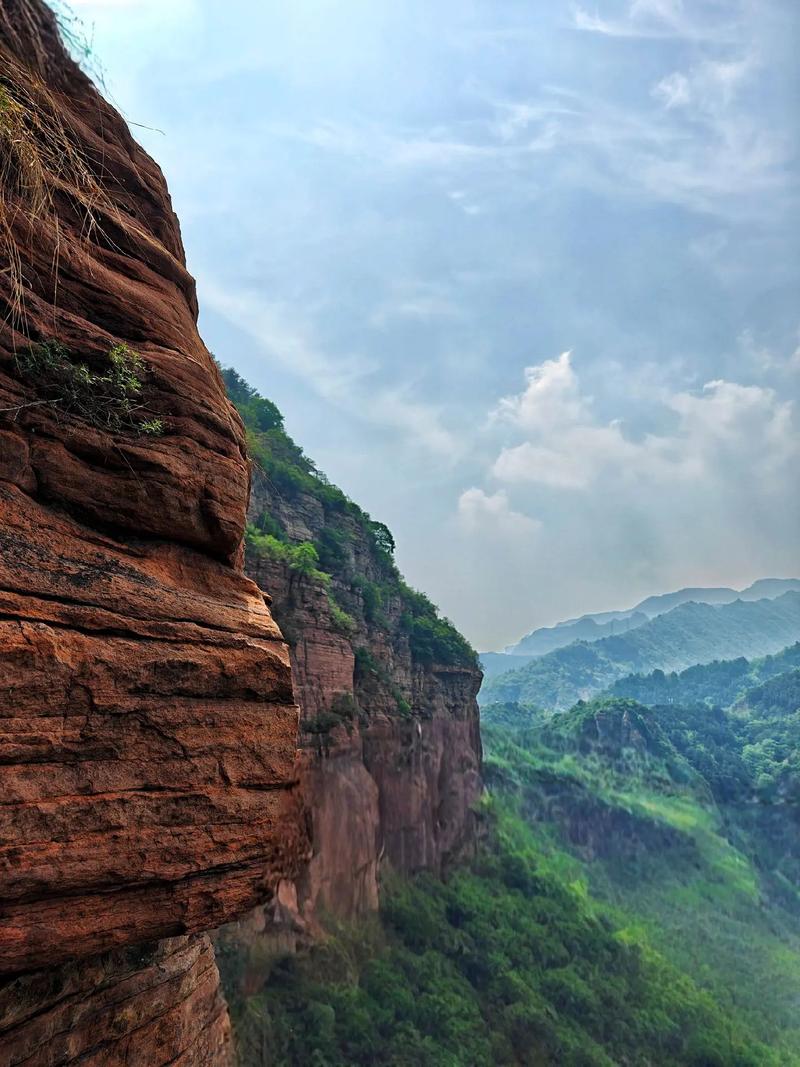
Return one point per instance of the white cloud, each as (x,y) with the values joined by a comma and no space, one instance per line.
(573,463)
(551,397)
(648,19)
(493,512)
(673,91)
(709,87)
(726,431)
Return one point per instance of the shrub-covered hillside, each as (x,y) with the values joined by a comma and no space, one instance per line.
(335,555)
(508,962)
(718,683)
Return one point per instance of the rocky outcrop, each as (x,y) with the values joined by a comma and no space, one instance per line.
(135,1006)
(147,721)
(390,745)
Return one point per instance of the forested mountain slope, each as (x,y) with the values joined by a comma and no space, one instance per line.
(686,821)
(593,626)
(622,910)
(689,634)
(719,682)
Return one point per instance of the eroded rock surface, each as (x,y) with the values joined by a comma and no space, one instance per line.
(397,780)
(147,721)
(138,1006)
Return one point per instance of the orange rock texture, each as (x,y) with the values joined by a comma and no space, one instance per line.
(135,1006)
(147,721)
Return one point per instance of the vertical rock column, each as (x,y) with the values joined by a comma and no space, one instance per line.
(147,723)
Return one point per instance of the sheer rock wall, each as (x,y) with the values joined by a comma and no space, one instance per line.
(148,730)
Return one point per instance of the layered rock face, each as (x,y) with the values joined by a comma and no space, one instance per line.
(390,749)
(147,722)
(151,1004)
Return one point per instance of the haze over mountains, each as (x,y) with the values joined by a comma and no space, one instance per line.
(690,633)
(594,626)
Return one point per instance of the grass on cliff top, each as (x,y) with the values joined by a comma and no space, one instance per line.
(291,475)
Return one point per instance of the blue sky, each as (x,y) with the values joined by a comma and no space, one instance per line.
(523,277)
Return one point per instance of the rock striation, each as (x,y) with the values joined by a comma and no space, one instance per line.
(147,721)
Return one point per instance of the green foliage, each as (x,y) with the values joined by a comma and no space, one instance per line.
(111,400)
(510,713)
(353,549)
(372,596)
(502,964)
(301,558)
(403,706)
(718,683)
(343,710)
(268,524)
(258,414)
(382,537)
(365,663)
(290,471)
(332,548)
(343,622)
(431,638)
(151,427)
(775,698)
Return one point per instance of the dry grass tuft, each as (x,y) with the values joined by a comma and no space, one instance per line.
(39,159)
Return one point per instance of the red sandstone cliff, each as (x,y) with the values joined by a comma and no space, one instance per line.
(147,722)
(390,743)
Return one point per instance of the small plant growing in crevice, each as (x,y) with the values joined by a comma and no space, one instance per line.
(403,706)
(301,558)
(343,710)
(342,621)
(110,400)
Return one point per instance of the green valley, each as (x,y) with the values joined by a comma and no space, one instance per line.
(634,900)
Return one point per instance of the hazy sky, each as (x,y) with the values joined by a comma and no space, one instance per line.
(523,277)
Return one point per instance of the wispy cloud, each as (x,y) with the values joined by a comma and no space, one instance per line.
(416,300)
(686,144)
(347,382)
(658,19)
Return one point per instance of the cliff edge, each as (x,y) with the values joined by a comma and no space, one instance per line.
(147,722)
(390,750)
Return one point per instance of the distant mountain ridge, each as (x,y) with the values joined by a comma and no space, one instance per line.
(690,633)
(719,683)
(596,625)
